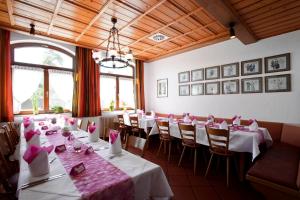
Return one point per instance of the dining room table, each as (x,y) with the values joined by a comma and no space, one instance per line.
(106,176)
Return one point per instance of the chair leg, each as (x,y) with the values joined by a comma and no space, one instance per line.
(159,147)
(228,170)
(209,163)
(181,156)
(165,147)
(170,146)
(195,161)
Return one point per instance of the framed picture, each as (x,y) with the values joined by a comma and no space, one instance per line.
(197,89)
(278,83)
(231,87)
(278,63)
(162,87)
(230,70)
(184,90)
(184,77)
(212,88)
(212,73)
(197,75)
(252,85)
(251,67)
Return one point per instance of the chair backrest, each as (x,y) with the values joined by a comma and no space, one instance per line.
(13,133)
(188,133)
(134,121)
(79,123)
(163,128)
(8,143)
(136,143)
(121,120)
(4,168)
(218,140)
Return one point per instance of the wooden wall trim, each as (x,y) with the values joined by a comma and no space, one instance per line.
(10,12)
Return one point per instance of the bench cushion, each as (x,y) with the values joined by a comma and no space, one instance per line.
(279,165)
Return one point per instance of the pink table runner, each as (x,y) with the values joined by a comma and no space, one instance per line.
(101,180)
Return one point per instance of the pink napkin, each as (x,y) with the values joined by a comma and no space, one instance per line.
(26,123)
(92,128)
(29,134)
(33,151)
(26,118)
(113,134)
(44,127)
(210,119)
(171,116)
(72,121)
(41,123)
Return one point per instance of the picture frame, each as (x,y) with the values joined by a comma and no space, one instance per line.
(278,83)
(184,77)
(230,70)
(212,73)
(184,90)
(197,75)
(278,63)
(212,88)
(252,85)
(251,67)
(231,86)
(162,88)
(197,89)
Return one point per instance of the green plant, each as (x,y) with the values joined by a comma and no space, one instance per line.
(57,109)
(111,105)
(35,103)
(124,104)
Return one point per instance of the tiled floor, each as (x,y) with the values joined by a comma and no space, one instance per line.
(187,186)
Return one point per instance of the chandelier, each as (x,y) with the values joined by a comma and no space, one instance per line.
(113,57)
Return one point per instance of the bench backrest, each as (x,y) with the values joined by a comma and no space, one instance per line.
(291,134)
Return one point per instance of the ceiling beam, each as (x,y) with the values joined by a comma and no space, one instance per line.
(102,10)
(225,14)
(165,26)
(9,4)
(194,45)
(138,17)
(57,7)
(179,36)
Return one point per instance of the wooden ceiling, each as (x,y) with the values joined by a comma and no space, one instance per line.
(188,23)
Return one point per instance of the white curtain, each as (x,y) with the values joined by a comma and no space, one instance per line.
(26,81)
(61,82)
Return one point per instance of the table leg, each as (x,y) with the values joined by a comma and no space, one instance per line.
(242,162)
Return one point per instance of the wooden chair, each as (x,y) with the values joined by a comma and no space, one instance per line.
(122,128)
(8,141)
(135,129)
(188,139)
(219,145)
(15,137)
(79,123)
(135,143)
(164,136)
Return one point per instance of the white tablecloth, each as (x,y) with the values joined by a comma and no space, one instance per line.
(149,179)
(240,141)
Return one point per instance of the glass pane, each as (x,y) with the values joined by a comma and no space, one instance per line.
(43,56)
(60,89)
(28,88)
(107,91)
(126,93)
(128,71)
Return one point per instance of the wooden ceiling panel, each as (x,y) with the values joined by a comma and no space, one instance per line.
(4,17)
(92,4)
(24,22)
(3,6)
(66,22)
(40,4)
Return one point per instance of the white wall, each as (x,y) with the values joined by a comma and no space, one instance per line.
(280,107)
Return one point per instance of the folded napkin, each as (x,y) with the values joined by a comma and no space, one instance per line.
(114,142)
(236,120)
(28,125)
(93,134)
(253,126)
(187,119)
(73,124)
(37,159)
(152,113)
(210,119)
(223,125)
(32,137)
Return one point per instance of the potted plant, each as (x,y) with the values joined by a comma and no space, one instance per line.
(35,103)
(112,106)
(58,109)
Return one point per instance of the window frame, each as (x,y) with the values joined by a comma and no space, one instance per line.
(117,107)
(46,69)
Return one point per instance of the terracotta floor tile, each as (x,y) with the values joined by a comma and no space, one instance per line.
(205,193)
(198,181)
(179,180)
(183,193)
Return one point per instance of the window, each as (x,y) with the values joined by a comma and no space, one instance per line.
(117,88)
(42,77)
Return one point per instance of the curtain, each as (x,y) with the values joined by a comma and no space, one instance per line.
(6,99)
(139,64)
(25,82)
(86,94)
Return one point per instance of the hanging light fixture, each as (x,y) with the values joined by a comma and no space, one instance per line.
(113,57)
(231,30)
(32,29)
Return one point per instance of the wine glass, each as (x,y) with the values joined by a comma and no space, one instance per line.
(77,146)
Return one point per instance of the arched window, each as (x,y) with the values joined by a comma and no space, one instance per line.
(117,88)
(42,77)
